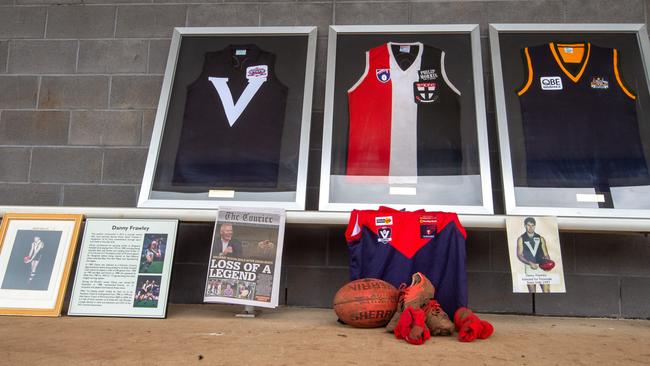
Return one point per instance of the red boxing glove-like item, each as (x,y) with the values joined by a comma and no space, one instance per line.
(470,326)
(411,326)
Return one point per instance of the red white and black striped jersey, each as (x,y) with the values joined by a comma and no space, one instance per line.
(404,115)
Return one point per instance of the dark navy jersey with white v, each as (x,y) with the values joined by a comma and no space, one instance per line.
(233,122)
(579,119)
(532,247)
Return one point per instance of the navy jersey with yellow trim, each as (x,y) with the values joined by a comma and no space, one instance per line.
(393,245)
(579,120)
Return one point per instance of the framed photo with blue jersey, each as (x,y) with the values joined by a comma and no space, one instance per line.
(405,120)
(573,112)
(233,119)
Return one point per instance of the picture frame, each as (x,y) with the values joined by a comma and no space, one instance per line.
(450,170)
(36,255)
(575,181)
(124,268)
(197,158)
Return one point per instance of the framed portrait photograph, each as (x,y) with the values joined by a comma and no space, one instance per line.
(535,254)
(36,253)
(405,120)
(124,268)
(573,116)
(233,119)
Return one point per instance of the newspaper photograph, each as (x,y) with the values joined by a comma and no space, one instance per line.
(245,259)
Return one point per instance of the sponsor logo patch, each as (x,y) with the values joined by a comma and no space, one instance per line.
(551,82)
(383,75)
(256,72)
(428,227)
(384,235)
(426,92)
(428,231)
(428,75)
(384,220)
(598,82)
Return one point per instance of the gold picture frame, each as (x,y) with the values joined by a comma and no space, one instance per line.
(36,254)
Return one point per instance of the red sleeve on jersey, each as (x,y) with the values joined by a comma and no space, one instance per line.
(353,231)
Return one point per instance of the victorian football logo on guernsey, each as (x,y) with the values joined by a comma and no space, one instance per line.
(551,82)
(384,235)
(384,220)
(383,75)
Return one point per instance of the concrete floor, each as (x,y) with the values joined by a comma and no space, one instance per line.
(211,335)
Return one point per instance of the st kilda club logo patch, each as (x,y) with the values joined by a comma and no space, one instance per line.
(426,92)
(384,235)
(383,75)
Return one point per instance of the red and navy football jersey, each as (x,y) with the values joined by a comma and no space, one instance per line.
(392,245)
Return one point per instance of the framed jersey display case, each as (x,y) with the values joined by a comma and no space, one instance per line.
(573,118)
(232,125)
(405,119)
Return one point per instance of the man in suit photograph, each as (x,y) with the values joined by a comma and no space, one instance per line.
(229,247)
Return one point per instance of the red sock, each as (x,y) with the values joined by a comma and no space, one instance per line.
(486,331)
(411,326)
(460,316)
(470,326)
(470,330)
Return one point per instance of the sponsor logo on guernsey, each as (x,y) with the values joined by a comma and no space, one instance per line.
(428,220)
(428,75)
(426,92)
(384,235)
(551,82)
(428,227)
(384,220)
(598,82)
(257,72)
(428,231)
(383,75)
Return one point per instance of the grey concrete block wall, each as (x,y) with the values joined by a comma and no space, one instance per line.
(79,85)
